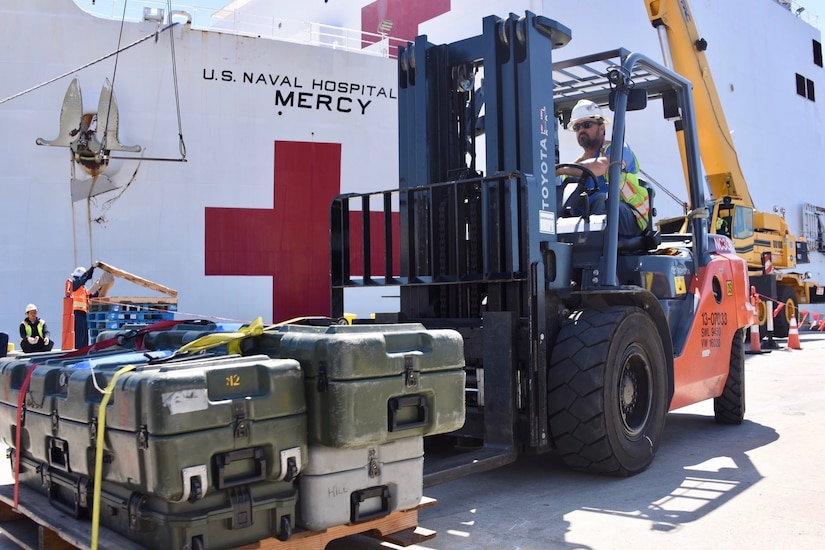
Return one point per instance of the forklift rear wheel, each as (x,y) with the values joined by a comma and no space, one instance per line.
(608,394)
(729,408)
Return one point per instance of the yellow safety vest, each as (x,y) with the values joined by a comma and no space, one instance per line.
(40,323)
(632,192)
(636,196)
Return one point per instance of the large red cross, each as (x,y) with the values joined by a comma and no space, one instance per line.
(289,242)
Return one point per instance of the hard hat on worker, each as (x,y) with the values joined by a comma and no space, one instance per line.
(586,109)
(31,307)
(78,271)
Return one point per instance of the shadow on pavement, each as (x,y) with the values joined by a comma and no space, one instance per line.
(700,466)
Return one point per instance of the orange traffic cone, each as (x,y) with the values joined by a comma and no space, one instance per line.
(755,346)
(814,320)
(793,335)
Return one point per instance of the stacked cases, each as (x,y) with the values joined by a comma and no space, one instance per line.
(373,392)
(315,426)
(185,443)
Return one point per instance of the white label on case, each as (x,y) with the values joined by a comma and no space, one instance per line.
(186,401)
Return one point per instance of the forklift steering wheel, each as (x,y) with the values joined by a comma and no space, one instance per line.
(587,176)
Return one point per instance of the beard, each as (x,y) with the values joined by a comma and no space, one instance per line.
(587,142)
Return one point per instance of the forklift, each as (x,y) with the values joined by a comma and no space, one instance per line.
(577,341)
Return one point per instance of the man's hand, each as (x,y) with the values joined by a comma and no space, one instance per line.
(46,340)
(32,340)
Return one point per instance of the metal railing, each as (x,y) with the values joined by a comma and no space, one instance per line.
(800,11)
(243,23)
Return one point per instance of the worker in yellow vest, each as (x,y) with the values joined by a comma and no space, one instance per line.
(34,334)
(588,122)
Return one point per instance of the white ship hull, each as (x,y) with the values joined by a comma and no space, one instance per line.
(273,129)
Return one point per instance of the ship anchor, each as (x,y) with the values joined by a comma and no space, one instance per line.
(89,136)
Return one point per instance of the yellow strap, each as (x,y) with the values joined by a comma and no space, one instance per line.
(233,339)
(101,429)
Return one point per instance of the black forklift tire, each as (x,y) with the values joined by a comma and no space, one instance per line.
(729,408)
(782,322)
(608,391)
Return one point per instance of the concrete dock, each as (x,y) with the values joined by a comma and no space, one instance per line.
(760,485)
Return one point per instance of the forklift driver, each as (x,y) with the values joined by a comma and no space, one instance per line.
(588,123)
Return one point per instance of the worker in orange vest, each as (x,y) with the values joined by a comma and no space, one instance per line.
(76,290)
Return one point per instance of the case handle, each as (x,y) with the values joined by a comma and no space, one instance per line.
(396,404)
(359,496)
(58,454)
(222,460)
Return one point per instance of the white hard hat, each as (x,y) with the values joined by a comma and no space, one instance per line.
(31,307)
(585,109)
(78,271)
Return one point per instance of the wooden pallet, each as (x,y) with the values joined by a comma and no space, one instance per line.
(400,528)
(37,525)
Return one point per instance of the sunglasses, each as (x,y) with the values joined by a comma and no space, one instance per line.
(586,125)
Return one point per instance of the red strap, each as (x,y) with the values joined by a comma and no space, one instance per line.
(109,342)
(21,403)
(21,398)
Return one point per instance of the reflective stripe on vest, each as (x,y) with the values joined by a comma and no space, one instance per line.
(80,297)
(636,196)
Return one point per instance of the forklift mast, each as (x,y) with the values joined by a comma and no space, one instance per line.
(477,249)
(482,105)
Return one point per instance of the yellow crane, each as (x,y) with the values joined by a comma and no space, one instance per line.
(761,238)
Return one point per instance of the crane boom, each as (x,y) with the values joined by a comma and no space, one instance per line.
(683,49)
(761,238)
